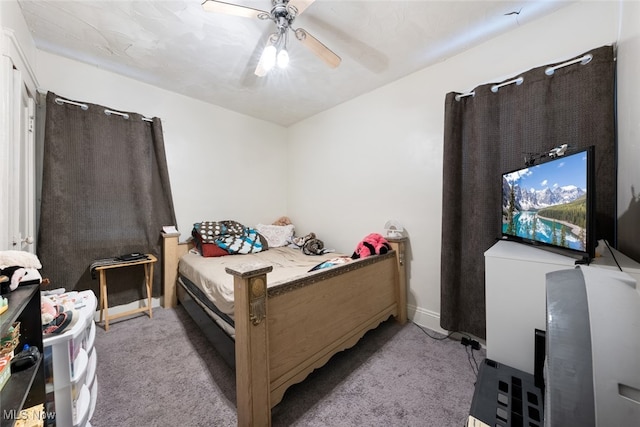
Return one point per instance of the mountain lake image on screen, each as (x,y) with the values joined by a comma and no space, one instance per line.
(548,203)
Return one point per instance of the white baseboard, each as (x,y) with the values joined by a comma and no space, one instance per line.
(431,320)
(425,318)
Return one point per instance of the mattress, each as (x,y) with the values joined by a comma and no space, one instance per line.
(208,273)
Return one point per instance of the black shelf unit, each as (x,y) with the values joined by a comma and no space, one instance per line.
(26,388)
(506,397)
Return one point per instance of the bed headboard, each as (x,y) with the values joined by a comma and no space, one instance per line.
(172,250)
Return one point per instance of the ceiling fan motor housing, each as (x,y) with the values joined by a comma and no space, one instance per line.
(281,14)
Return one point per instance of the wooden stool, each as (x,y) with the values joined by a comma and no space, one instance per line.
(148,279)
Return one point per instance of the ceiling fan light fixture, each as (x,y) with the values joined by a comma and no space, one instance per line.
(268,59)
(283,58)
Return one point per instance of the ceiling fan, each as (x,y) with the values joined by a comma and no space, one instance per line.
(283,14)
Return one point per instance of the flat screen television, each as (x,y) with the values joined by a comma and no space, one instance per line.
(552,204)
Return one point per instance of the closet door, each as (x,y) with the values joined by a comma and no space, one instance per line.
(26,173)
(17,193)
(6,153)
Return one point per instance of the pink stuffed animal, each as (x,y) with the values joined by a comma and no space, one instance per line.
(372,244)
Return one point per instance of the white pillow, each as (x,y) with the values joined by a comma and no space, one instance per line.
(19,259)
(276,235)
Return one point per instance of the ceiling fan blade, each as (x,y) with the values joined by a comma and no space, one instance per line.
(299,5)
(315,46)
(232,9)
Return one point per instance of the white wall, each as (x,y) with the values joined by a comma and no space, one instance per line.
(380,156)
(629,130)
(222,165)
(11,19)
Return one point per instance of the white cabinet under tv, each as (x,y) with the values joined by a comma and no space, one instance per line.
(515,296)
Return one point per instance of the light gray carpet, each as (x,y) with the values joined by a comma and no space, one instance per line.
(163,372)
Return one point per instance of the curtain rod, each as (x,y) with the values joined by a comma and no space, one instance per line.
(584,60)
(118,113)
(464,95)
(517,81)
(108,112)
(61,101)
(549,71)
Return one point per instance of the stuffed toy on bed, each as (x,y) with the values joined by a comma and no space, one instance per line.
(282,221)
(372,244)
(310,244)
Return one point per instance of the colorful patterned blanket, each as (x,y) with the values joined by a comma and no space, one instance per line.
(231,236)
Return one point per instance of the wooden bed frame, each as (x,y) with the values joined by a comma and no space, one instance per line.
(285,332)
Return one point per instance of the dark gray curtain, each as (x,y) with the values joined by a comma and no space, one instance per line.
(105,192)
(490,133)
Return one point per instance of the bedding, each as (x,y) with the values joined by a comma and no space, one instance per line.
(216,284)
(211,250)
(231,236)
(277,235)
(224,322)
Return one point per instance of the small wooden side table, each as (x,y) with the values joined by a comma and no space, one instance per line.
(148,279)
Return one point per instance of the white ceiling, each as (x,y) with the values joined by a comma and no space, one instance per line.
(176,45)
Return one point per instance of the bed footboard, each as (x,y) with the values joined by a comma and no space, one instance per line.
(285,332)
(253,394)
(399,246)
